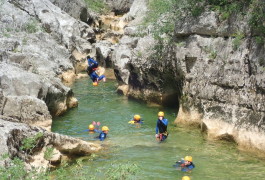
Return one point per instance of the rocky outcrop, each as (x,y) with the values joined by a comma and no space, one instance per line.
(212,71)
(66,30)
(40,46)
(77,9)
(119,6)
(37,147)
(223,82)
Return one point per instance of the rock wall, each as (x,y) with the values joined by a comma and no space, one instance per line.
(43,44)
(223,82)
(217,82)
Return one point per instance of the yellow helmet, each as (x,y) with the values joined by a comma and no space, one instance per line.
(185,178)
(161,114)
(91,127)
(95,83)
(105,128)
(137,117)
(188,158)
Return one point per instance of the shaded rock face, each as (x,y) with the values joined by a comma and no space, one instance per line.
(13,135)
(76,9)
(205,71)
(140,73)
(120,6)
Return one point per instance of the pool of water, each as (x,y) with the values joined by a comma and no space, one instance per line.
(125,142)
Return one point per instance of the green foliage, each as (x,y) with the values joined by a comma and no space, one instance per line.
(16,171)
(213,54)
(97,5)
(24,41)
(237,40)
(195,7)
(29,143)
(257,16)
(6,35)
(48,153)
(211,51)
(157,8)
(260,40)
(122,171)
(32,26)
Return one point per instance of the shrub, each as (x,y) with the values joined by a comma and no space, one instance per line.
(28,144)
(97,5)
(238,40)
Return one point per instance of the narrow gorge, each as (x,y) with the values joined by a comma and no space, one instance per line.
(205,59)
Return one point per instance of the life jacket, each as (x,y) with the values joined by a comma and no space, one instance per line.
(102,136)
(162,128)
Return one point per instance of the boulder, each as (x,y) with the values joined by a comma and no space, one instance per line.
(13,135)
(77,9)
(120,6)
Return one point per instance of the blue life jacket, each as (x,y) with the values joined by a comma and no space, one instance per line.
(94,76)
(161,126)
(102,136)
(92,63)
(188,167)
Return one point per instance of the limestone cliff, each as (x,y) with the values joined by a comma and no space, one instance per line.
(210,67)
(41,47)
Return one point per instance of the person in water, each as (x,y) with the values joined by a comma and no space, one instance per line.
(91,71)
(161,127)
(102,136)
(185,178)
(92,129)
(185,165)
(136,120)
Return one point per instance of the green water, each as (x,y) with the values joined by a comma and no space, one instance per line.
(125,142)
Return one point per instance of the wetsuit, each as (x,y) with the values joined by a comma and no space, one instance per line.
(102,136)
(184,167)
(188,167)
(138,122)
(95,77)
(161,127)
(92,63)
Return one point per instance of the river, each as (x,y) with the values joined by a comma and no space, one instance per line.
(126,143)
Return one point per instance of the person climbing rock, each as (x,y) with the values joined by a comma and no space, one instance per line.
(103,134)
(91,71)
(185,164)
(161,127)
(136,120)
(185,178)
(92,64)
